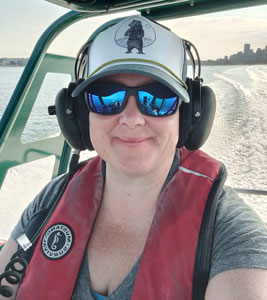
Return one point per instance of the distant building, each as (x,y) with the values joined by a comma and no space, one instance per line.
(260,55)
(13,62)
(265,54)
(246,50)
(246,57)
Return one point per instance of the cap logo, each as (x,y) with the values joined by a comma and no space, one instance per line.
(57,241)
(135,36)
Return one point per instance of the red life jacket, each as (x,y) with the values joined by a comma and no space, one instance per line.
(166,268)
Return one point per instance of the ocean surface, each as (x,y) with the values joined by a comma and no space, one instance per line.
(238,137)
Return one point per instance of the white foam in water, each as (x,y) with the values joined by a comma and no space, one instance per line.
(238,139)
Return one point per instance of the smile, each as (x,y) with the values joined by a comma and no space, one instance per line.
(132,142)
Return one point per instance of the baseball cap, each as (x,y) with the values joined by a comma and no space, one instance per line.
(141,46)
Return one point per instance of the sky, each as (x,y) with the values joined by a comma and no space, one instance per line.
(215,35)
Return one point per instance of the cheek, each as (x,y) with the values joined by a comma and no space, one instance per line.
(174,135)
(94,129)
(100,126)
(168,127)
(175,124)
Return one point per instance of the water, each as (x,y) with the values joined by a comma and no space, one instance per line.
(9,77)
(39,125)
(238,136)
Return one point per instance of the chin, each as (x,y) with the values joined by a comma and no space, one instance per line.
(134,165)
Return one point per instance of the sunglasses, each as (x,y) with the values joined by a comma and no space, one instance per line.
(154,100)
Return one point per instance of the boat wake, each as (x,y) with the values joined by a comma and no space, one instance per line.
(238,137)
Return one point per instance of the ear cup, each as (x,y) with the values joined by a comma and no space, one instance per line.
(202,128)
(83,119)
(196,117)
(73,118)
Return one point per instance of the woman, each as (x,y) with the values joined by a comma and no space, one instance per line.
(130,222)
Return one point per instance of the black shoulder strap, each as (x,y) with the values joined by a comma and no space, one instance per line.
(205,239)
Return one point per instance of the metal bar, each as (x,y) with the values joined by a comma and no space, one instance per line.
(251,191)
(197,8)
(116,7)
(159,9)
(146,5)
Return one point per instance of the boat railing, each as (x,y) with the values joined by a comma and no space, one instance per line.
(251,191)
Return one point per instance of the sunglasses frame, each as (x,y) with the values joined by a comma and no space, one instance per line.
(130,91)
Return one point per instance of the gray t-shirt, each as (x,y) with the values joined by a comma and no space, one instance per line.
(240,240)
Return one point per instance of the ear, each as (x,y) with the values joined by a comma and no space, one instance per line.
(73,117)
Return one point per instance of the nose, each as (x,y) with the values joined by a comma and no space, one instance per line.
(131,116)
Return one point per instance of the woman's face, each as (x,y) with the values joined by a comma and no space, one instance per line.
(131,142)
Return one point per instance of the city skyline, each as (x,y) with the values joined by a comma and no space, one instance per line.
(247,56)
(248,53)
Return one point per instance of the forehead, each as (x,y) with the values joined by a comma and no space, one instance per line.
(128,79)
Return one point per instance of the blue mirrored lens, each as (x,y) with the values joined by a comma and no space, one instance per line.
(151,105)
(108,104)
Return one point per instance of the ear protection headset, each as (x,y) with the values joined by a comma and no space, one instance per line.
(196,117)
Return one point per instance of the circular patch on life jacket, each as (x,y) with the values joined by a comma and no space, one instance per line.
(57,241)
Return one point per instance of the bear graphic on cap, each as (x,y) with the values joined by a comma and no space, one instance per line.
(135,37)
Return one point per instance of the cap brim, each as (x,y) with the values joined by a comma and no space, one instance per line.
(150,71)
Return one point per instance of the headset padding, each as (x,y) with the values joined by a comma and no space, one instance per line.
(202,128)
(185,117)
